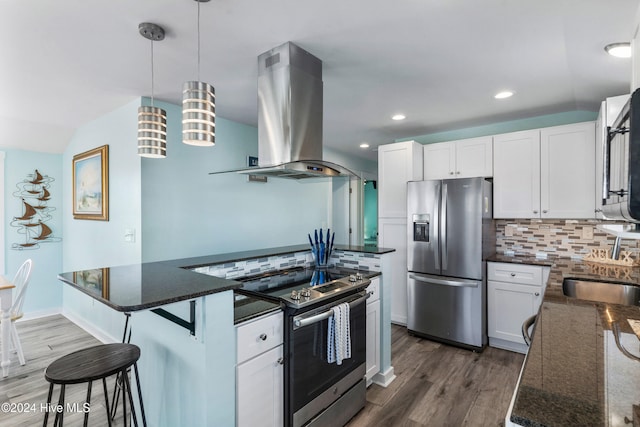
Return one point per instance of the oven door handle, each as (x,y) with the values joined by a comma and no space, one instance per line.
(301,321)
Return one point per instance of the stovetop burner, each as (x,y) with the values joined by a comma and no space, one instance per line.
(298,287)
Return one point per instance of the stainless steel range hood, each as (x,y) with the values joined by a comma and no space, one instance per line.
(290,117)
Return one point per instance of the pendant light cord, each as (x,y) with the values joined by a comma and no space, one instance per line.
(197,1)
(152,73)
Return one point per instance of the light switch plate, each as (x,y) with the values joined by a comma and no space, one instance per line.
(587,233)
(130,235)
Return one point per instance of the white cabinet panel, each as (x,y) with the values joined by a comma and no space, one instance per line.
(393,234)
(567,171)
(259,387)
(466,158)
(439,160)
(397,164)
(259,372)
(474,157)
(516,175)
(373,339)
(514,293)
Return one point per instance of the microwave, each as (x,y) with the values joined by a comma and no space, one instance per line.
(621,167)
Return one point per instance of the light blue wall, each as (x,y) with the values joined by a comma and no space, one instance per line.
(188,212)
(505,127)
(370,213)
(44,293)
(93,244)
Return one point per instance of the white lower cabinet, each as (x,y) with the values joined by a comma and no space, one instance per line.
(514,293)
(259,372)
(373,329)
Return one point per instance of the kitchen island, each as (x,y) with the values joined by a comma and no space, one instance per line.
(575,373)
(182,316)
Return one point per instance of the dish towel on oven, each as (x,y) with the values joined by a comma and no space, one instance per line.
(339,335)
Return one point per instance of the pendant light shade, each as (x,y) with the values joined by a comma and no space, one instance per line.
(152,121)
(198,107)
(198,114)
(152,132)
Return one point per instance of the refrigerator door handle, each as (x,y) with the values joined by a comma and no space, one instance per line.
(445,282)
(443,227)
(436,229)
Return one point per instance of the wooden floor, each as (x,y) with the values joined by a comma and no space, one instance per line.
(440,385)
(43,341)
(436,385)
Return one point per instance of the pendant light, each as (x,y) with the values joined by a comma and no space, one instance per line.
(198,107)
(152,121)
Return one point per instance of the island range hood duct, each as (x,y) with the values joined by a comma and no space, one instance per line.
(290,117)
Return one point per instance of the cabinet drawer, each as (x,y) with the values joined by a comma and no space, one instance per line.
(515,273)
(257,336)
(374,289)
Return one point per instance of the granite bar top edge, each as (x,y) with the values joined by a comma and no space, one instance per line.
(204,260)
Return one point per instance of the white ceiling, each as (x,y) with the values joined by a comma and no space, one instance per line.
(440,62)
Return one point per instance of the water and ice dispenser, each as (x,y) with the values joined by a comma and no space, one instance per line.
(421,227)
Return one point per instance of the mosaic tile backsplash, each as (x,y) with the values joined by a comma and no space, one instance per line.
(564,238)
(233,270)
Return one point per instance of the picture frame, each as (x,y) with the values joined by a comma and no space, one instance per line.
(91,184)
(95,281)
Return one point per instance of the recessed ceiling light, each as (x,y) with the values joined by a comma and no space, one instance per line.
(503,95)
(398,117)
(364,145)
(619,50)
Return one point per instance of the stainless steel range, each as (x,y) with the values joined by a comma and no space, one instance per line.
(317,392)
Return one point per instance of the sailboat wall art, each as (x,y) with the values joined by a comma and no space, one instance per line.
(91,184)
(31,224)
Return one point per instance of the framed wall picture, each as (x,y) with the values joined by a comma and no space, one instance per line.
(91,184)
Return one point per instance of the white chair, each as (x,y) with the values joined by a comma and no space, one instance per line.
(20,281)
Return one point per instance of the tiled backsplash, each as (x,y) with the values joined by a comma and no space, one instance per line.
(565,238)
(233,270)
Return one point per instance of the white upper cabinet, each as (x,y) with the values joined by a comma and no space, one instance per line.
(459,159)
(567,171)
(516,175)
(439,160)
(545,173)
(398,164)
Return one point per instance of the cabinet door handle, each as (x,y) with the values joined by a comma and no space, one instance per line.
(458,173)
(280,361)
(535,212)
(263,337)
(450,173)
(513,274)
(545,211)
(537,294)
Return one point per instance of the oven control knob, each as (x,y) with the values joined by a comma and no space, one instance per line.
(295,295)
(306,292)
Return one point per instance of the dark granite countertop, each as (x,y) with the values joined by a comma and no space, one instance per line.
(574,373)
(521,259)
(143,286)
(247,307)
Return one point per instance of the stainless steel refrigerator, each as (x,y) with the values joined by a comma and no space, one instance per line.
(450,234)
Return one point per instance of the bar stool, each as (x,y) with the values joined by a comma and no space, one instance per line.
(88,365)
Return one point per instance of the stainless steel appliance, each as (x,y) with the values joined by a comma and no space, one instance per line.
(450,234)
(317,393)
(621,180)
(290,108)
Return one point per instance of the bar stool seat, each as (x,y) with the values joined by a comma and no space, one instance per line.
(90,364)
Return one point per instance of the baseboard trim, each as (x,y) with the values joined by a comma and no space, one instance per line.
(32,315)
(397,320)
(385,378)
(89,328)
(508,345)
